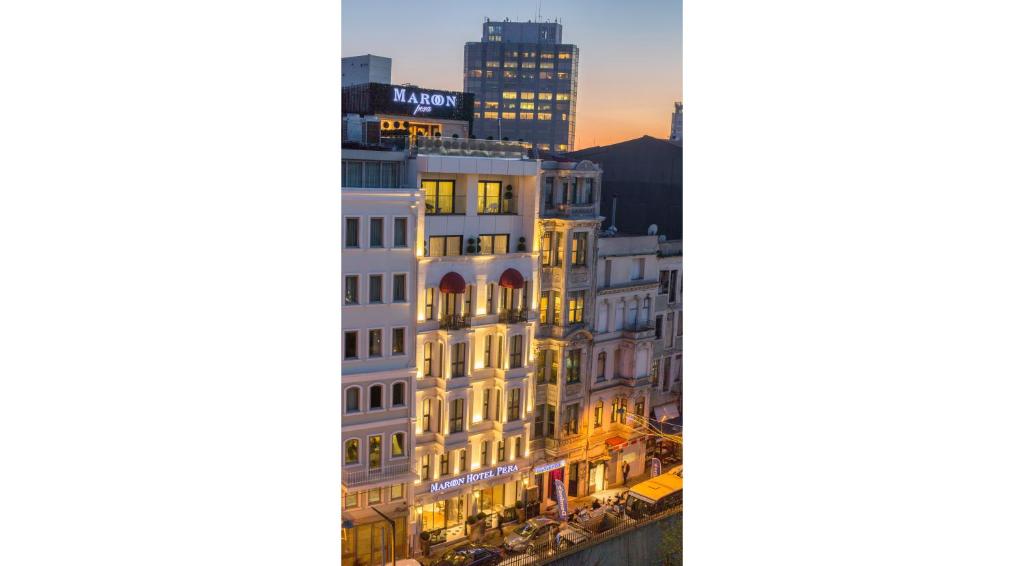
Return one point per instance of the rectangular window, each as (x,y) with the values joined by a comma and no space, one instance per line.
(526,115)
(672,286)
(490,298)
(427,403)
(538,421)
(459,359)
(487,359)
(443,197)
(543,115)
(528,65)
(562,96)
(376,288)
(501,450)
(663,282)
(489,198)
(636,269)
(490,115)
(397,341)
(579,248)
(401,233)
(508,115)
(351,289)
(462,460)
(376,232)
(598,414)
(397,491)
(572,366)
(545,318)
(493,244)
(375,343)
(425,467)
(576,306)
(513,405)
(501,344)
(398,288)
(551,420)
(657,326)
(490,105)
(375,451)
(351,232)
(439,246)
(351,500)
(455,410)
(373,496)
(544,96)
(351,345)
(486,409)
(526,106)
(445,464)
(428,303)
(572,419)
(485,453)
(398,445)
(353,173)
(516,351)
(509,95)
(468,307)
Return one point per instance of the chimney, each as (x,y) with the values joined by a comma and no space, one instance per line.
(615,204)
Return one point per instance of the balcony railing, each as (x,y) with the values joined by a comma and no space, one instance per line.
(460,147)
(455,322)
(569,210)
(363,476)
(513,316)
(638,331)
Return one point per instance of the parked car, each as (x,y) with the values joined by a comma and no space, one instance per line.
(541,533)
(471,555)
(570,535)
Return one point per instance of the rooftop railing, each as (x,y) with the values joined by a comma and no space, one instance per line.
(460,147)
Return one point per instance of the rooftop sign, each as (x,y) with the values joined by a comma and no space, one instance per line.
(407,100)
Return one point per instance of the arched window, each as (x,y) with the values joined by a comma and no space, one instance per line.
(352,451)
(377,397)
(398,394)
(352,400)
(398,445)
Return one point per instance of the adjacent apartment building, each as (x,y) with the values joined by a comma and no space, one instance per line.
(524,81)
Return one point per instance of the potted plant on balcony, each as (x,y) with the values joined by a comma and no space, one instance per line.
(520,511)
(425,543)
(522,244)
(471,246)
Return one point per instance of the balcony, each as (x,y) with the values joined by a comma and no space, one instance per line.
(458,147)
(513,316)
(639,331)
(455,322)
(389,472)
(568,210)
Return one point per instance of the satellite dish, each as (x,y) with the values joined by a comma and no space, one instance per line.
(663,238)
(652,230)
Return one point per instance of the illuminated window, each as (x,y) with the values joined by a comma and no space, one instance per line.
(493,64)
(544,146)
(563,147)
(565,55)
(490,105)
(476,114)
(489,75)
(543,115)
(546,75)
(508,115)
(511,64)
(528,65)
(562,75)
(544,106)
(510,105)
(562,96)
(526,96)
(544,95)
(509,94)
(526,115)
(510,74)
(491,115)
(547,65)
(547,55)
(442,197)
(475,73)
(526,106)
(564,116)
(576,307)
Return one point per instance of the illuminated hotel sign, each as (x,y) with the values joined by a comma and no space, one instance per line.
(549,467)
(473,477)
(407,100)
(425,101)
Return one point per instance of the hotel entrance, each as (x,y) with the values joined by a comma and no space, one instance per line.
(441,516)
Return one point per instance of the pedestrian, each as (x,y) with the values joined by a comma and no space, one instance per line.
(625,472)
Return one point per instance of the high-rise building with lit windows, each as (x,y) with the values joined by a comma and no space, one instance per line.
(524,81)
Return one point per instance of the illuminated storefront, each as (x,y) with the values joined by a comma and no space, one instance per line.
(366,542)
(445,505)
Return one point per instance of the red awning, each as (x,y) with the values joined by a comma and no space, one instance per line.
(615,441)
(452,283)
(511,279)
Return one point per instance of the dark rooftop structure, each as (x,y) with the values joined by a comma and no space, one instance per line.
(647,176)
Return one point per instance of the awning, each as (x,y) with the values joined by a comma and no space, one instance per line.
(452,283)
(670,426)
(511,279)
(615,442)
(666,411)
